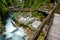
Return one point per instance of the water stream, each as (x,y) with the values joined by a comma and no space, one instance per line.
(17,35)
(13,33)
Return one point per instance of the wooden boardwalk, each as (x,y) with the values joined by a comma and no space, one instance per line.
(54,32)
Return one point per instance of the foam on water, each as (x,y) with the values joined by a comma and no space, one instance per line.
(17,35)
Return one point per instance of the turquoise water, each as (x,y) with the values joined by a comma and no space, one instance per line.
(17,35)
(10,35)
(1,37)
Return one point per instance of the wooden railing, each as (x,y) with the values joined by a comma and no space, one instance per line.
(47,21)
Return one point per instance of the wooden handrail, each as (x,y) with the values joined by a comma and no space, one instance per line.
(37,32)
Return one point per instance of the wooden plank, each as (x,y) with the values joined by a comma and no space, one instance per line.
(55,29)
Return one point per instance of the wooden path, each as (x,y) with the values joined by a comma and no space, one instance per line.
(54,32)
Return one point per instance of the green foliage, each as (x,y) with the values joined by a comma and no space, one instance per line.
(38,15)
(3,2)
(25,3)
(3,9)
(9,3)
(34,3)
(15,1)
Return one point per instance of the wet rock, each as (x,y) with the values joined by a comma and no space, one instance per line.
(34,25)
(19,16)
(26,21)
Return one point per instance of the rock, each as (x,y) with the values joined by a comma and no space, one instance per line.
(26,21)
(35,24)
(25,15)
(22,20)
(19,16)
(30,20)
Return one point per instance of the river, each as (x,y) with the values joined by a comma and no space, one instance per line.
(13,33)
